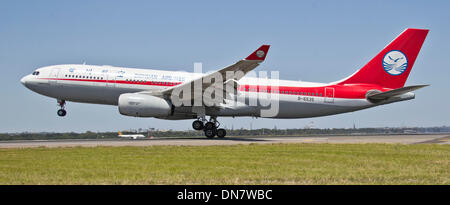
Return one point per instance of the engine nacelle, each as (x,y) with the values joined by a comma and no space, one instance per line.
(142,105)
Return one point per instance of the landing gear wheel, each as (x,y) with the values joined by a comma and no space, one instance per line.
(210,133)
(221,133)
(61,112)
(210,125)
(197,125)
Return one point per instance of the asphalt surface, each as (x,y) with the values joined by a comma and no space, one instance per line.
(401,139)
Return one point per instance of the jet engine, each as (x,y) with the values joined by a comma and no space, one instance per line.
(142,105)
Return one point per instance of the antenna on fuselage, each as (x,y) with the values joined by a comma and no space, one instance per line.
(84,62)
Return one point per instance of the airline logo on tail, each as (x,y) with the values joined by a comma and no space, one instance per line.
(395,62)
(260,53)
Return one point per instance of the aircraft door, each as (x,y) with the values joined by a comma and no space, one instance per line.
(110,80)
(329,95)
(53,76)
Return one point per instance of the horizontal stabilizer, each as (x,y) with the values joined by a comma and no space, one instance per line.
(395,92)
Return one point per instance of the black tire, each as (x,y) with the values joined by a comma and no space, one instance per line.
(197,125)
(210,133)
(61,112)
(210,125)
(221,133)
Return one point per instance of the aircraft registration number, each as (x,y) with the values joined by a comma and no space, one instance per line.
(306,99)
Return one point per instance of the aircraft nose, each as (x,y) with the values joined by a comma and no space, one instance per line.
(24,80)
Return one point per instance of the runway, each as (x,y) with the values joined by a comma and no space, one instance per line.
(400,139)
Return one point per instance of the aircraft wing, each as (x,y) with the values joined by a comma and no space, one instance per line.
(395,92)
(238,70)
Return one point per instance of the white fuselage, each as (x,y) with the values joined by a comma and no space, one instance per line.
(104,85)
(132,136)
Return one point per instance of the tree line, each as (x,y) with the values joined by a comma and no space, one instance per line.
(235,132)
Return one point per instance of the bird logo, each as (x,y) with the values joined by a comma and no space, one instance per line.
(260,53)
(395,62)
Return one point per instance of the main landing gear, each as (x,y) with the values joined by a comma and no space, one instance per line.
(62,111)
(210,128)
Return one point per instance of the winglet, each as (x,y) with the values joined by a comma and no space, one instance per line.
(259,54)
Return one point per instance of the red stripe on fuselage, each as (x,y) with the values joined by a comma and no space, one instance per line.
(353,91)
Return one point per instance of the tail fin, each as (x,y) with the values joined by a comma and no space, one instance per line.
(391,67)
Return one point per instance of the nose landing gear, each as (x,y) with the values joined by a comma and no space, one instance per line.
(62,111)
(209,128)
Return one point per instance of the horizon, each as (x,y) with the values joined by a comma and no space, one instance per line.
(241,128)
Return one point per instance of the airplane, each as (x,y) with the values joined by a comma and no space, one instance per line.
(150,93)
(132,136)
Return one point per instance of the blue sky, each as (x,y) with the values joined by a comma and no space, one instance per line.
(319,41)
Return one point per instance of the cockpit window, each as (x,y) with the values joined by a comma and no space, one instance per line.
(35,73)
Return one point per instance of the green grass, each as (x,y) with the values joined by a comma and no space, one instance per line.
(240,164)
